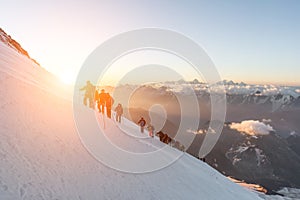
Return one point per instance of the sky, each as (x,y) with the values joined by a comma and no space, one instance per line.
(251,41)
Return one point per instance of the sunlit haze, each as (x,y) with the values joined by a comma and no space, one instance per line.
(148,66)
(253,41)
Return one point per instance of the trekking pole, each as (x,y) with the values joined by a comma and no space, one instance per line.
(103,116)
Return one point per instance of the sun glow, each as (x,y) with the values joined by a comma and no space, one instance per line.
(67,78)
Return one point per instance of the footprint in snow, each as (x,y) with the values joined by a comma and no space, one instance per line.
(3,187)
(22,190)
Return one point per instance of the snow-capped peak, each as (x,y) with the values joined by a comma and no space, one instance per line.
(9,41)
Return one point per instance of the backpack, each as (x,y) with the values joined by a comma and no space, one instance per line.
(143,122)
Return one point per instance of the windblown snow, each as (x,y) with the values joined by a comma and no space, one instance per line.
(42,156)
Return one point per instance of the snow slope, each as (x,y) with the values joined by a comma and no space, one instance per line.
(42,157)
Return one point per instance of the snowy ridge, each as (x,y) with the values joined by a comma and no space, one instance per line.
(232,88)
(42,157)
(6,39)
(275,97)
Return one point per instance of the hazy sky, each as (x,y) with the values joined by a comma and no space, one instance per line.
(250,41)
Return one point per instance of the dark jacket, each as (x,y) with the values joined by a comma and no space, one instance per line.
(142,122)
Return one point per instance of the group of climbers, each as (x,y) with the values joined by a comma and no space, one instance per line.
(165,138)
(142,123)
(104,100)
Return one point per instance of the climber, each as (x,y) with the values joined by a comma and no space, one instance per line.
(89,94)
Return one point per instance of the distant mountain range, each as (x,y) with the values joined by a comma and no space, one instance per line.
(232,87)
(275,98)
(271,160)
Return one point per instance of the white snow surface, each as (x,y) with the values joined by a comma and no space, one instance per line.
(42,157)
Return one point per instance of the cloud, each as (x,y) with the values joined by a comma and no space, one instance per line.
(252,127)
